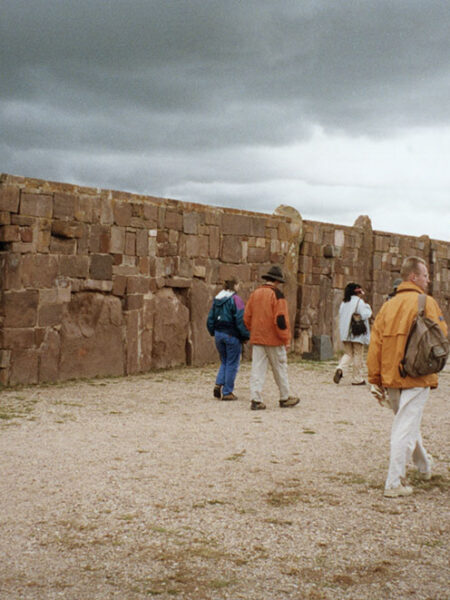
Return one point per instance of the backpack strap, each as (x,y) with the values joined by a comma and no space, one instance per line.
(422,300)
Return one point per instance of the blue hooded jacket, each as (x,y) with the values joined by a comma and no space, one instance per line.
(227,315)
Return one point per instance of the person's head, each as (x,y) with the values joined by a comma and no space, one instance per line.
(230,284)
(274,275)
(415,269)
(352,289)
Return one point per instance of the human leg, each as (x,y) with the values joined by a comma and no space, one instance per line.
(345,362)
(357,359)
(277,356)
(405,432)
(219,339)
(232,360)
(258,372)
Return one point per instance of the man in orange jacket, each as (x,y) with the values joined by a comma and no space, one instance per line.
(266,317)
(406,395)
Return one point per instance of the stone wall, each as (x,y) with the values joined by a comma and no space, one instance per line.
(97,282)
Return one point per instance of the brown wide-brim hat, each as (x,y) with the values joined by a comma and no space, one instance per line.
(274,274)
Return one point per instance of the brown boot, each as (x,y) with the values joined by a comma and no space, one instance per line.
(229,397)
(291,401)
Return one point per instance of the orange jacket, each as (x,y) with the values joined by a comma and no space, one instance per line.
(389,334)
(266,317)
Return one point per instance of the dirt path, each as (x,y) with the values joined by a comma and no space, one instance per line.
(148,487)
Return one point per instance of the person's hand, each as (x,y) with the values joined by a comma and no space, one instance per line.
(380,394)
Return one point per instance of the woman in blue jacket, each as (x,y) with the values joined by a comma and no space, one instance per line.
(226,323)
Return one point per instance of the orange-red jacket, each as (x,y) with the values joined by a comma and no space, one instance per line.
(389,335)
(266,317)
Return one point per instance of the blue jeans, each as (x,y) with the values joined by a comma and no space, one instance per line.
(229,348)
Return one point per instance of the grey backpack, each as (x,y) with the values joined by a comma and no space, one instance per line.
(426,348)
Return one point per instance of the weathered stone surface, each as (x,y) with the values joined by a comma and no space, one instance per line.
(20,308)
(9,233)
(132,345)
(231,249)
(24,367)
(74,266)
(49,354)
(36,205)
(101,266)
(91,337)
(65,206)
(9,198)
(62,246)
(122,214)
(14,338)
(202,344)
(170,331)
(67,229)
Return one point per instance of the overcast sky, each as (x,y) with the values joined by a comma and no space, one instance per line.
(335,107)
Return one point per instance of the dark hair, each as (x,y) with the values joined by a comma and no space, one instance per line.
(230,284)
(350,290)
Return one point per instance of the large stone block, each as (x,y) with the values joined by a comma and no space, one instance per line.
(10,233)
(74,266)
(49,353)
(20,308)
(231,249)
(67,229)
(123,213)
(9,198)
(202,345)
(17,338)
(65,206)
(101,266)
(170,330)
(24,367)
(36,205)
(91,337)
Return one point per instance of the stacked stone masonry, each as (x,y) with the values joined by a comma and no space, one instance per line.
(99,283)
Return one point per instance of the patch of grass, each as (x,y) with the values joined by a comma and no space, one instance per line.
(309,431)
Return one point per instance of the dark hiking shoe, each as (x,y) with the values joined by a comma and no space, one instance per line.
(229,397)
(289,402)
(257,405)
(337,376)
(217,393)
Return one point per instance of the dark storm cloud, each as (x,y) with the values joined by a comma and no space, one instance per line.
(155,96)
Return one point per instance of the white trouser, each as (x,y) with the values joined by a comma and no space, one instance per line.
(353,355)
(406,440)
(276,356)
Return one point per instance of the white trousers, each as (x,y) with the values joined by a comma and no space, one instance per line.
(406,440)
(353,355)
(262,356)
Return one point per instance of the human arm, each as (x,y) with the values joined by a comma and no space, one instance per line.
(374,352)
(239,318)
(210,321)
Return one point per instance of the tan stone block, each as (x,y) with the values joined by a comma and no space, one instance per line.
(130,243)
(117,240)
(5,218)
(50,315)
(142,242)
(199,271)
(24,367)
(20,308)
(9,198)
(84,208)
(144,265)
(15,338)
(5,359)
(74,266)
(26,234)
(119,285)
(97,285)
(150,212)
(101,266)
(65,206)
(214,242)
(231,249)
(173,236)
(67,229)
(133,301)
(62,246)
(137,285)
(191,222)
(36,205)
(9,233)
(173,220)
(43,241)
(107,211)
(122,214)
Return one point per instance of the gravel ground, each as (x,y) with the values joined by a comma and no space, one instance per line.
(148,487)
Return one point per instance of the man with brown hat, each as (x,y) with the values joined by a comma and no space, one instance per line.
(266,317)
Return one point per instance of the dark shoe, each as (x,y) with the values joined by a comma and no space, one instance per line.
(360,383)
(257,405)
(291,401)
(337,376)
(229,397)
(217,393)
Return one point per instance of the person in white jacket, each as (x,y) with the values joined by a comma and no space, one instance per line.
(353,344)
